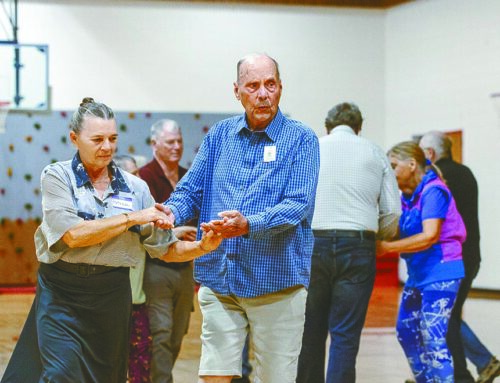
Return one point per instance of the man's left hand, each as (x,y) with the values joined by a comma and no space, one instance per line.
(232,224)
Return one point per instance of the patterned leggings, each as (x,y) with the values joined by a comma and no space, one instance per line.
(140,346)
(421,329)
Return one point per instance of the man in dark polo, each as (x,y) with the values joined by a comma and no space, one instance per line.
(169,287)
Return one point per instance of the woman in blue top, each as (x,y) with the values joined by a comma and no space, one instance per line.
(431,237)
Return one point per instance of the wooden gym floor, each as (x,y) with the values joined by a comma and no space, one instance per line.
(380,359)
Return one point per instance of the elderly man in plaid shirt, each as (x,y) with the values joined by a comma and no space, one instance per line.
(254,180)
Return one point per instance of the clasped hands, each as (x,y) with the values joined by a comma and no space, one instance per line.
(383,248)
(162,216)
(231,224)
(210,240)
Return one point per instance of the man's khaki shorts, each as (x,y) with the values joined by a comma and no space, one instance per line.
(275,323)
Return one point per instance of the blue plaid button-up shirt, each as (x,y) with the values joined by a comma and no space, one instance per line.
(276,196)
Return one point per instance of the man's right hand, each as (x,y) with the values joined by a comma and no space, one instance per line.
(168,221)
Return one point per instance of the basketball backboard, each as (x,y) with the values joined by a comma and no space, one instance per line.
(24,76)
(8,21)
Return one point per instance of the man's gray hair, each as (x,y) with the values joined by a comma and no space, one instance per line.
(121,159)
(164,124)
(345,113)
(439,142)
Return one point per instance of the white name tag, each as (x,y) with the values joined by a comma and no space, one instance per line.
(123,203)
(269,153)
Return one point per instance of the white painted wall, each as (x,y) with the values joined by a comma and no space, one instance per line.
(426,65)
(174,56)
(442,64)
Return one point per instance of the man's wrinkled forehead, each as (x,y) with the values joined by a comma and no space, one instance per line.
(248,64)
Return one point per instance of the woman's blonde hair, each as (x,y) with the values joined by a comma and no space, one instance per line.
(407,150)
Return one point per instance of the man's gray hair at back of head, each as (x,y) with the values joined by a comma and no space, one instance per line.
(438,141)
(345,113)
(120,160)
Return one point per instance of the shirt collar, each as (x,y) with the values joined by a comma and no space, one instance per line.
(343,129)
(443,160)
(118,183)
(272,130)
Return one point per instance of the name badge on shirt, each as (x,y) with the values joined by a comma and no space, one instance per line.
(269,153)
(123,203)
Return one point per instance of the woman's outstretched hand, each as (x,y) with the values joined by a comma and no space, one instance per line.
(210,240)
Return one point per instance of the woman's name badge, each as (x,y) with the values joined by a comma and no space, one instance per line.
(269,153)
(123,203)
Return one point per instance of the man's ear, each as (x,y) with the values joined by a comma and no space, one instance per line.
(236,89)
(432,154)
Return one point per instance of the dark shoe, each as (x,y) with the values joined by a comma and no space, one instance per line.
(243,379)
(491,371)
(410,381)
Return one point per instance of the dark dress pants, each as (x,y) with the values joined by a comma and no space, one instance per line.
(454,338)
(169,294)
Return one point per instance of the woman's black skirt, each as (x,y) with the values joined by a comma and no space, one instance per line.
(82,327)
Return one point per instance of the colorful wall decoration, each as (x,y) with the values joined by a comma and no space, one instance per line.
(32,141)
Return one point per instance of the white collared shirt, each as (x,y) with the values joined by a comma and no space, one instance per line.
(357,189)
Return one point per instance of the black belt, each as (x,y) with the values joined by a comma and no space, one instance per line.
(360,234)
(83,269)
